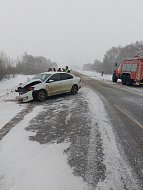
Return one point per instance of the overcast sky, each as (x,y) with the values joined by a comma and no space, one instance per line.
(70,32)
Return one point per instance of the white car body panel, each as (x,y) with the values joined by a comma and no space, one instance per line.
(58,87)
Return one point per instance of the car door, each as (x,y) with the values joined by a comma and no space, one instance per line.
(53,84)
(66,82)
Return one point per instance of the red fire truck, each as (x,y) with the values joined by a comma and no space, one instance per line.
(129,71)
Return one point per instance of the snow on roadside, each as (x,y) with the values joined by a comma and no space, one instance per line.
(8,106)
(118,174)
(8,110)
(28,165)
(96,75)
(8,86)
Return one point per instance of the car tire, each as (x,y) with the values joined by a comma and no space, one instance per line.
(74,89)
(41,95)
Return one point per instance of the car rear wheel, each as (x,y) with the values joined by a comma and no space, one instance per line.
(74,89)
(41,95)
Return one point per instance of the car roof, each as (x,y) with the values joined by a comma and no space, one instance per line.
(53,72)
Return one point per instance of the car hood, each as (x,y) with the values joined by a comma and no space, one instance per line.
(29,81)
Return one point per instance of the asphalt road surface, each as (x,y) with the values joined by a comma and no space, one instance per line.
(125,109)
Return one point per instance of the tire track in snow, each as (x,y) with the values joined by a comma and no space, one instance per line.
(15,120)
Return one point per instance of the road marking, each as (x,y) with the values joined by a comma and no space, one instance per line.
(130,116)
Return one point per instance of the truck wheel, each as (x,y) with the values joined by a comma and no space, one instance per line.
(123,79)
(114,78)
(41,95)
(128,80)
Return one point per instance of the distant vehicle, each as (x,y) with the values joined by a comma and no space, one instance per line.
(48,84)
(129,71)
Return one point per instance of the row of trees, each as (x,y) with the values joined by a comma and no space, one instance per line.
(115,55)
(30,64)
(27,64)
(6,65)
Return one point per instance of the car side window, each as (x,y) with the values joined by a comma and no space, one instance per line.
(54,78)
(65,76)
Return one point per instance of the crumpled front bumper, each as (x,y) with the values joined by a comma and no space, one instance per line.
(26,97)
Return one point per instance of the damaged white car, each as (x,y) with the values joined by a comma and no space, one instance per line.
(48,84)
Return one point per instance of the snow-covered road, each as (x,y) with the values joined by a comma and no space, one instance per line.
(65,143)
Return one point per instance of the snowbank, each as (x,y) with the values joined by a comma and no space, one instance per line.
(8,105)
(96,75)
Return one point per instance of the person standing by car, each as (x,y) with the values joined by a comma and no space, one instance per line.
(59,70)
(67,69)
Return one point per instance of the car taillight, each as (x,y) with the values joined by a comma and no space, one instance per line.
(30,88)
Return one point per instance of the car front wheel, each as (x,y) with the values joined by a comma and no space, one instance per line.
(74,89)
(41,95)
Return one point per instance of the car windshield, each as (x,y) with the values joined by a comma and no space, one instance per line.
(42,77)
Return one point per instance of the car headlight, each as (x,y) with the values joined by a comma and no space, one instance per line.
(25,98)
